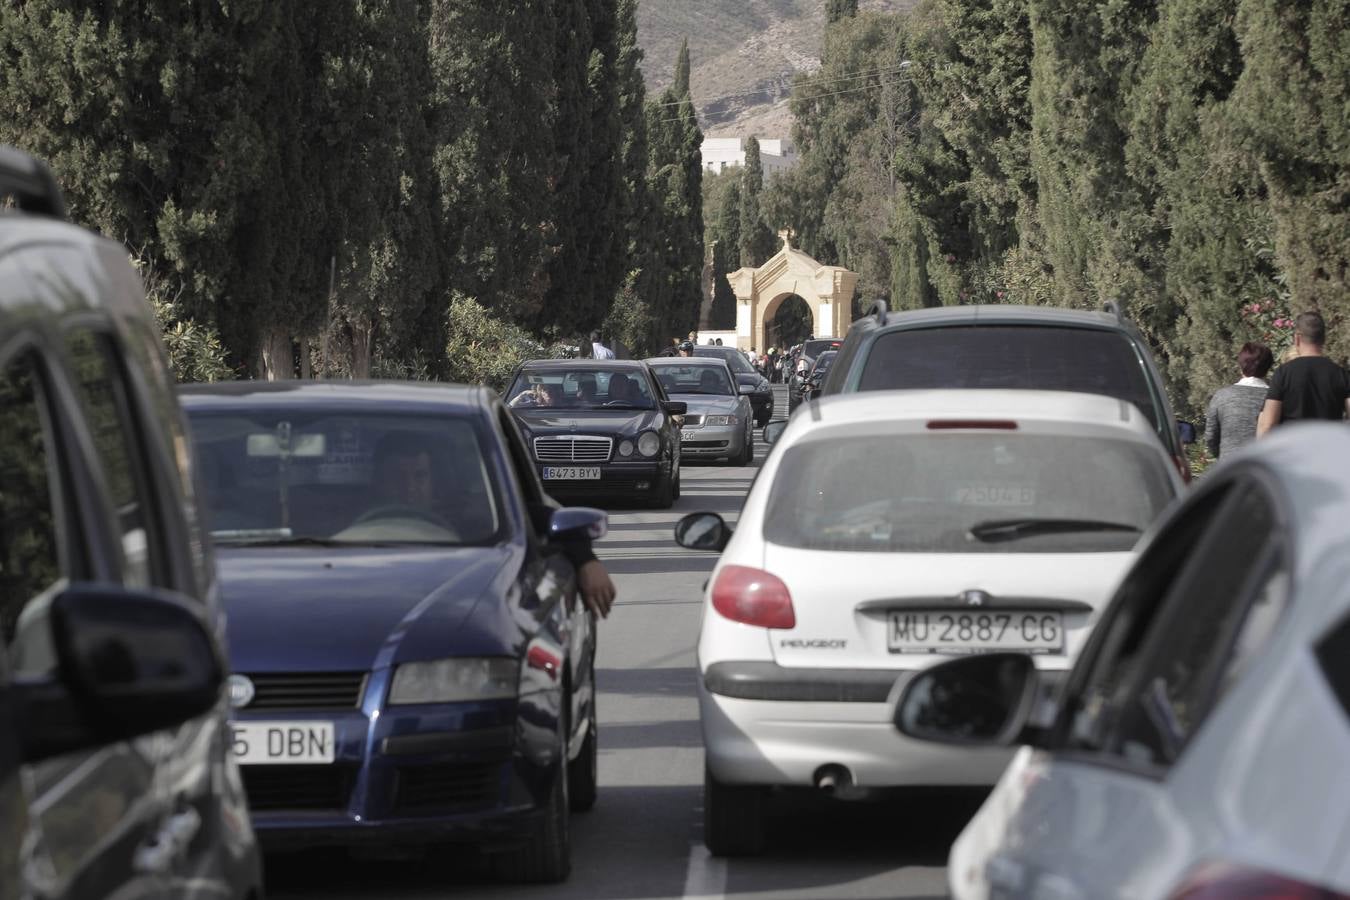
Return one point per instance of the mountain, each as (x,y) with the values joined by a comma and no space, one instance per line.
(743,56)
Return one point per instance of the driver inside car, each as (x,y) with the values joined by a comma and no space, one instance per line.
(403,482)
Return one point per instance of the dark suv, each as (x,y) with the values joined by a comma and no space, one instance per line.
(1038,348)
(114,774)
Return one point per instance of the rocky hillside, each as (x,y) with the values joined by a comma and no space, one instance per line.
(743,54)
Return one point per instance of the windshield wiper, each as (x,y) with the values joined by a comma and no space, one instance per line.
(996,530)
(621,404)
(276,540)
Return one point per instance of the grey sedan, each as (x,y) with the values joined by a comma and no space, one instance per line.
(720,421)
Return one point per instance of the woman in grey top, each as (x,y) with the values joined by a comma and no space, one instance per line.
(1230,419)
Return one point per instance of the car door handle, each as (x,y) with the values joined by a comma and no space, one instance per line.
(156,856)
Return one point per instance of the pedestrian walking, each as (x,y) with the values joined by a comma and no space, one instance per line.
(598,348)
(1230,418)
(1308,387)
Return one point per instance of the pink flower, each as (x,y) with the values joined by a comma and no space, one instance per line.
(1255,308)
(1269,304)
(998,294)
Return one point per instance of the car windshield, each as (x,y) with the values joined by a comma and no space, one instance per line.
(734,358)
(1011,356)
(694,379)
(293,476)
(1004,492)
(589,388)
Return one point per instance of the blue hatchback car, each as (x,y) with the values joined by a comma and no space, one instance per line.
(411,664)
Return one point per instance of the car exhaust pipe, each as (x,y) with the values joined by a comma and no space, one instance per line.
(833,778)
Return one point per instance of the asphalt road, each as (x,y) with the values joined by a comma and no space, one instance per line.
(644,837)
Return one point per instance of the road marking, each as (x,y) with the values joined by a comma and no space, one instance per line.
(706,877)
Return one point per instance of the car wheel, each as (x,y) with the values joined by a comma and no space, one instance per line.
(733,817)
(677,484)
(547,857)
(747,454)
(663,497)
(583,773)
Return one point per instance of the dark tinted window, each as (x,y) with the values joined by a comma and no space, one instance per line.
(1011,356)
(734,358)
(1333,654)
(30,564)
(581,388)
(905,493)
(103,399)
(819,346)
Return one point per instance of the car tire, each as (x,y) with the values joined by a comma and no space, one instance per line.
(733,817)
(677,484)
(747,454)
(547,857)
(663,497)
(583,773)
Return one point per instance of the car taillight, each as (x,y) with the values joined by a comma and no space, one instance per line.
(754,597)
(1224,880)
(1184,467)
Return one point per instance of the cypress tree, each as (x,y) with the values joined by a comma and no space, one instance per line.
(756,240)
(681,86)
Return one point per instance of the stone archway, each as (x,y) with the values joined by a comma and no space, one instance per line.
(827,290)
(781,320)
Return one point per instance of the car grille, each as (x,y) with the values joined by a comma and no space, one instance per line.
(273,788)
(307,690)
(704,445)
(572,448)
(447,787)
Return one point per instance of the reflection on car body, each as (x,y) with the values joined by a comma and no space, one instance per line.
(412,666)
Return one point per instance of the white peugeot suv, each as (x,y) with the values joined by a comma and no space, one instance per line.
(885,532)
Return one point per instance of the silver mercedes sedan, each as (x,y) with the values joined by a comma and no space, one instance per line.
(720,422)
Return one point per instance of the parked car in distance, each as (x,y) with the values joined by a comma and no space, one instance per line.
(115,774)
(749,379)
(816,377)
(997,346)
(1198,747)
(412,667)
(886,531)
(719,422)
(816,346)
(599,429)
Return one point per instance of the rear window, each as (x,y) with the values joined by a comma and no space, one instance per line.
(1011,356)
(734,358)
(994,492)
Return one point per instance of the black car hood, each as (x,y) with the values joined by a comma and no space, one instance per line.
(336,609)
(586,421)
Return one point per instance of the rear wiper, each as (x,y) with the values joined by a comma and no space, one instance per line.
(996,530)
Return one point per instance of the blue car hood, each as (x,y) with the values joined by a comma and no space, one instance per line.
(294,609)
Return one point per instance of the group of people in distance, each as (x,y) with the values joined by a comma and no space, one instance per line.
(1307,386)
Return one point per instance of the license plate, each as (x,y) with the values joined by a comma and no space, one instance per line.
(278,743)
(571,473)
(943,631)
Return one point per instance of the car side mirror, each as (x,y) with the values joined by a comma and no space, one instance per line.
(774,431)
(747,389)
(703,531)
(975,700)
(675,407)
(577,523)
(127,663)
(1185,431)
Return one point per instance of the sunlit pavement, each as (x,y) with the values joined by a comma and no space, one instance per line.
(644,837)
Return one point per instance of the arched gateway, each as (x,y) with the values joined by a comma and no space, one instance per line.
(827,290)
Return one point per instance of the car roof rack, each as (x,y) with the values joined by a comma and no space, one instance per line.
(1112,307)
(879,309)
(30,183)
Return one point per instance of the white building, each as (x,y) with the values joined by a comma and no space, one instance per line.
(719,154)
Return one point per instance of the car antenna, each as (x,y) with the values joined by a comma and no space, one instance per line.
(30,183)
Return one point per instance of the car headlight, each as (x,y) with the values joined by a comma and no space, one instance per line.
(763,385)
(625,447)
(453,680)
(649,443)
(719,420)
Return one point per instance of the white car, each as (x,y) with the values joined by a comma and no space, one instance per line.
(1199,748)
(886,531)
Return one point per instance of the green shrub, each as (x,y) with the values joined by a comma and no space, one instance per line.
(483,349)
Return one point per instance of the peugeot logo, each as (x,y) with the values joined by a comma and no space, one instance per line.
(241,691)
(974,598)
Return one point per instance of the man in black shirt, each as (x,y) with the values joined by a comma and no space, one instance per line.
(1308,387)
